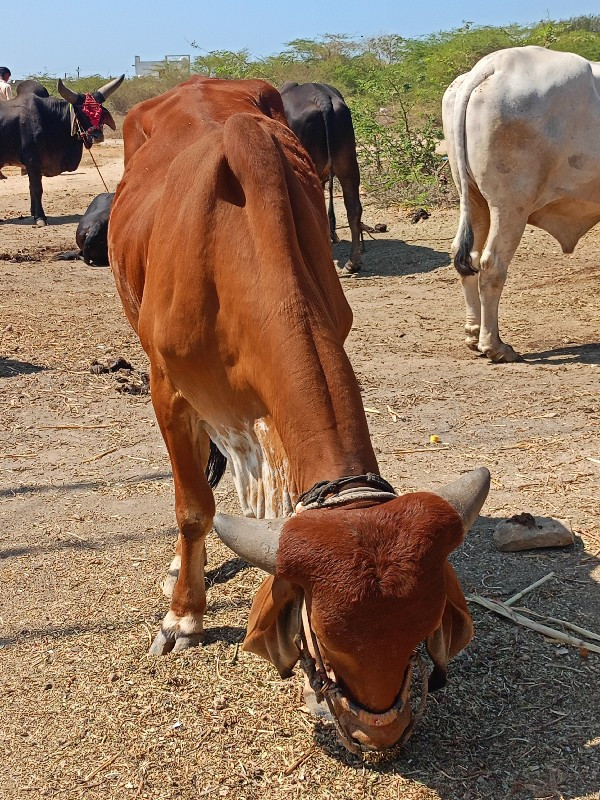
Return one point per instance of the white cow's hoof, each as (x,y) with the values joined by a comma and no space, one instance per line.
(472,336)
(176,634)
(40,223)
(347,270)
(503,354)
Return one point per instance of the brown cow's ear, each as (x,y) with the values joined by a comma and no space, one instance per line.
(107,119)
(272,624)
(454,632)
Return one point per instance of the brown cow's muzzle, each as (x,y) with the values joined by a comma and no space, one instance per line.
(361,730)
(374,731)
(358,729)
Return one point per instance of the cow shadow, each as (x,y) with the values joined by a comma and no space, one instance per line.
(393,257)
(515,720)
(12,367)
(65,219)
(225,572)
(32,488)
(571,354)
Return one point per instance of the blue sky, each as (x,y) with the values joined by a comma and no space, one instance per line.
(57,36)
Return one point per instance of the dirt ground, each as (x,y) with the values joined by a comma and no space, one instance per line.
(87,531)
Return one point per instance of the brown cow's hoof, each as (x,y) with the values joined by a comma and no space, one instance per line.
(176,634)
(40,223)
(164,643)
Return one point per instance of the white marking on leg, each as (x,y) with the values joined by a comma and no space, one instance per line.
(188,625)
(170,580)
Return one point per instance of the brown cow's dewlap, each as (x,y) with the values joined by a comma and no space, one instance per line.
(526,532)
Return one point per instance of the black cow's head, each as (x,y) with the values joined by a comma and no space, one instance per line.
(89,111)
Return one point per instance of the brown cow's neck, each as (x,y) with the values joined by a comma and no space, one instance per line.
(318,412)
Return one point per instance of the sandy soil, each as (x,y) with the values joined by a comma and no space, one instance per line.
(88,529)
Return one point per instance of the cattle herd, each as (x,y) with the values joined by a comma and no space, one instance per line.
(220,245)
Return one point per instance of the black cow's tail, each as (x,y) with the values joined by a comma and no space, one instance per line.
(216,466)
(464,239)
(326,108)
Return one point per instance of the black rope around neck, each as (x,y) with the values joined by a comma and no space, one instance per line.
(319,493)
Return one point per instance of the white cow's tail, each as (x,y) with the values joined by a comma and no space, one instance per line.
(463,241)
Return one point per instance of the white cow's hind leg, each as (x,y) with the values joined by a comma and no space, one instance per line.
(470,284)
(480,225)
(504,237)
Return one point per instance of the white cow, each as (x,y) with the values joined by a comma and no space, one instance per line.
(523,136)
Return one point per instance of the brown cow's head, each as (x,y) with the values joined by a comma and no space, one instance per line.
(89,110)
(376,582)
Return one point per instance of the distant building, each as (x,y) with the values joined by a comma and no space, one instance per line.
(156,68)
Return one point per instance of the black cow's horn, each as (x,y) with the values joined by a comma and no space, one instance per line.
(467,494)
(110,87)
(254,540)
(69,95)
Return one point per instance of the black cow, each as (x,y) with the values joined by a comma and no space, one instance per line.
(33,87)
(322,121)
(46,135)
(92,233)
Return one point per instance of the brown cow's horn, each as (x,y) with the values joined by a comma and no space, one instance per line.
(110,87)
(467,494)
(69,95)
(254,540)
(257,540)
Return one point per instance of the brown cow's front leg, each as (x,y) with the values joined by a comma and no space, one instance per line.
(189,446)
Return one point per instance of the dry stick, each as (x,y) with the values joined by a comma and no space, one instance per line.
(100,455)
(102,766)
(438,448)
(74,427)
(519,619)
(149,632)
(564,623)
(512,600)
(575,628)
(304,757)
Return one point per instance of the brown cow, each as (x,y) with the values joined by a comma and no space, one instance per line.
(219,244)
